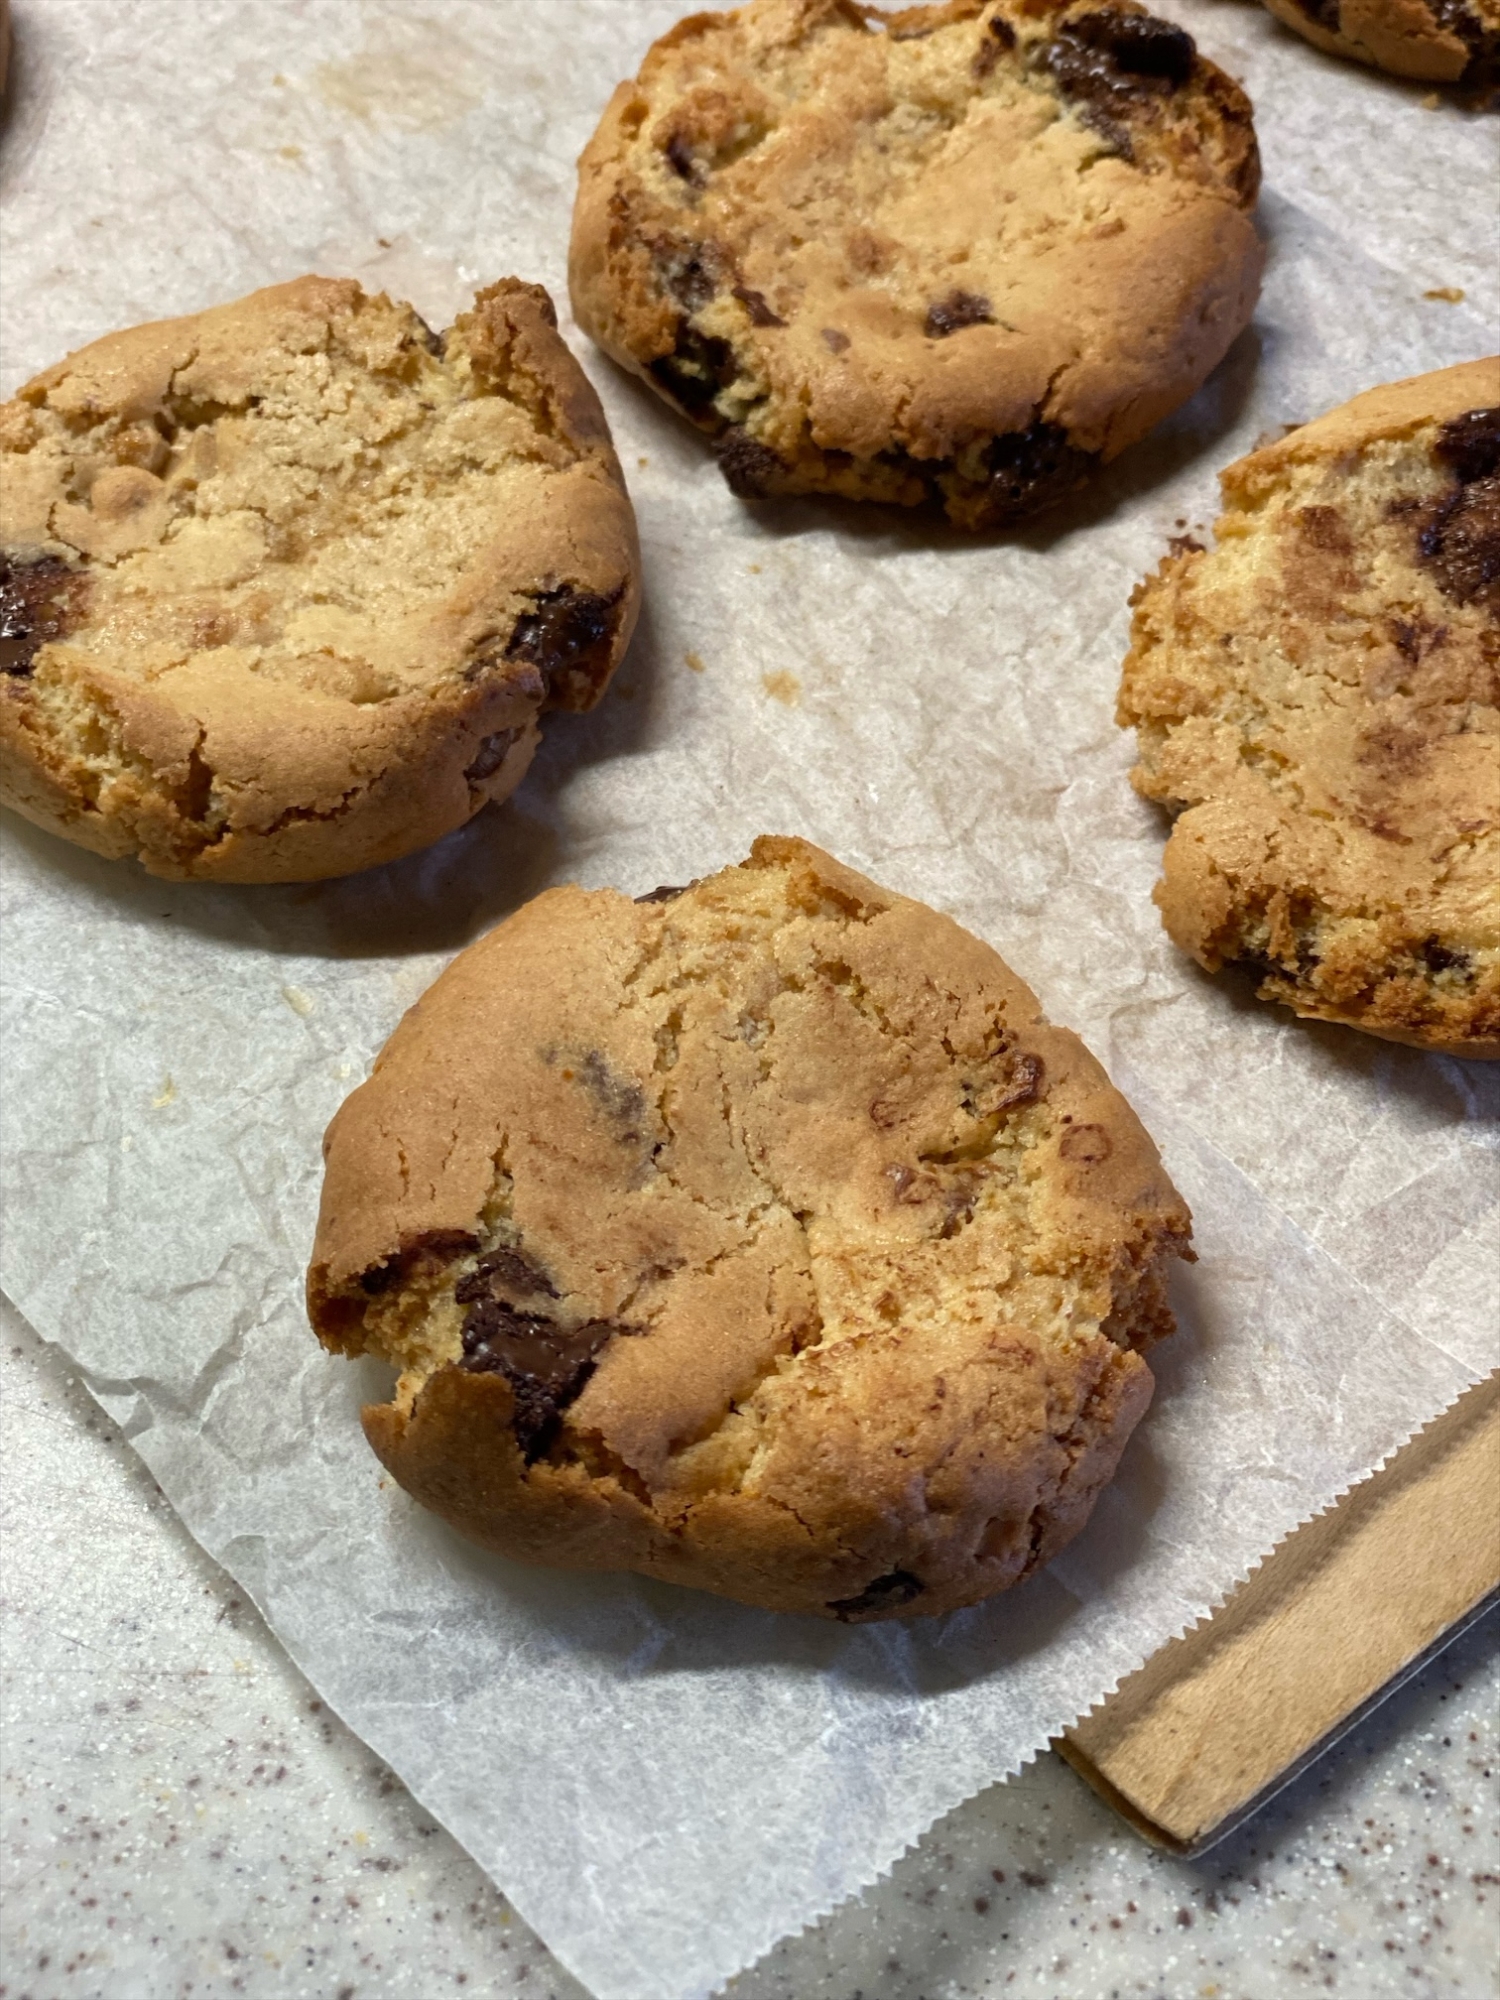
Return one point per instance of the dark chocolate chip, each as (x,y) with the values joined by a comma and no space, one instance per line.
(40,602)
(664,894)
(680,155)
(999,36)
(568,636)
(490,755)
(835,341)
(1139,44)
(504,1273)
(756,305)
(435,343)
(546,1364)
(1461,543)
(1025,1084)
(1482,72)
(699,366)
(750,469)
(1322,13)
(619,1097)
(381,1278)
(1032,469)
(1439,957)
(687,272)
(955,312)
(886,1593)
(1470,445)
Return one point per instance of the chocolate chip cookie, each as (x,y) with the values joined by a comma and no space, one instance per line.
(961,254)
(285,586)
(1439,41)
(1318,699)
(759,1235)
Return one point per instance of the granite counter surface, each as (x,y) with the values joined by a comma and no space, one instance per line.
(182,1817)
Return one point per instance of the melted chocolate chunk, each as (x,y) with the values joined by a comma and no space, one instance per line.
(1138,44)
(1324,13)
(567,636)
(1461,543)
(756,305)
(417,1254)
(958,310)
(1032,469)
(1470,445)
(545,1364)
(664,894)
(1482,72)
(39,602)
(490,755)
(1113,64)
(886,1593)
(699,366)
(750,468)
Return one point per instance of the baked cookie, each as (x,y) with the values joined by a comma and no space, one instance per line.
(1318,699)
(284,586)
(961,254)
(1440,41)
(759,1235)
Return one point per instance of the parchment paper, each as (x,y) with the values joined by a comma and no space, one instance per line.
(663,1783)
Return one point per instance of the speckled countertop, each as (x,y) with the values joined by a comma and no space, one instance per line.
(183,1818)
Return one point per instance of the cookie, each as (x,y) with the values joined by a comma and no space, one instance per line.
(1440,41)
(961,254)
(285,586)
(1318,699)
(759,1235)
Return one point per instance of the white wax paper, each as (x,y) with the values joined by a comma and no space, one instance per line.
(664,1783)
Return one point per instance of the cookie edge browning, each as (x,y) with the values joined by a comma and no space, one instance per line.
(454,1448)
(1390,411)
(1413,43)
(434,757)
(1066,456)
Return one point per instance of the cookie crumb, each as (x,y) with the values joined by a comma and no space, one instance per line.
(1432,102)
(1452,295)
(165,1096)
(299,1002)
(783,687)
(694,663)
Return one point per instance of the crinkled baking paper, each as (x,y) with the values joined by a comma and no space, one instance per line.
(663,1783)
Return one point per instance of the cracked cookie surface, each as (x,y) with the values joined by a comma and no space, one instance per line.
(1318,699)
(1438,41)
(285,585)
(958,255)
(761,1236)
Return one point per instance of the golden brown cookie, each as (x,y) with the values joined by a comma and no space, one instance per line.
(1318,700)
(285,586)
(960,254)
(1439,41)
(760,1235)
